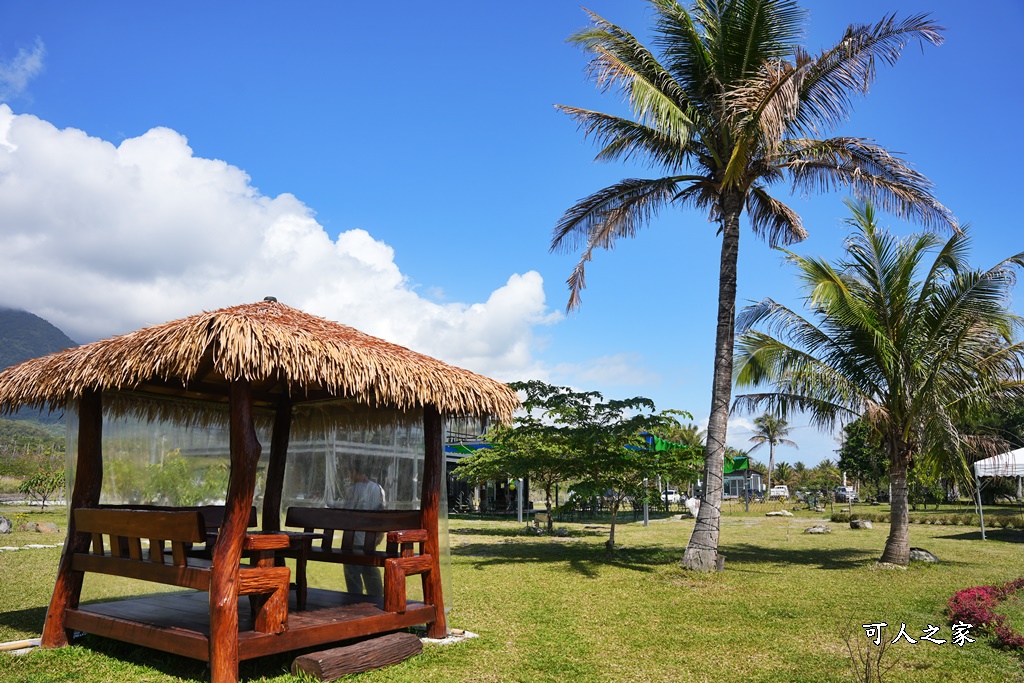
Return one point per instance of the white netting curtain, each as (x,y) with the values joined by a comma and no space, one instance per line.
(166,456)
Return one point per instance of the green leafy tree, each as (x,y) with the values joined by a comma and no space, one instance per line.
(924,487)
(126,479)
(731,107)
(825,478)
(683,468)
(915,349)
(43,485)
(772,430)
(531,446)
(1005,421)
(26,448)
(567,435)
(179,482)
(862,455)
(615,459)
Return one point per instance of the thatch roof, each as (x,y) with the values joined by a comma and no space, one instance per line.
(279,349)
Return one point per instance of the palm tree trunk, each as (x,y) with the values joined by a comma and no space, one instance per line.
(702,550)
(897,546)
(771,465)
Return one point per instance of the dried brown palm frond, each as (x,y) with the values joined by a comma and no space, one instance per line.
(282,351)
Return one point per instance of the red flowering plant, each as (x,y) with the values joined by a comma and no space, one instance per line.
(976,606)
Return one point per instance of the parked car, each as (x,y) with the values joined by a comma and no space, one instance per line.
(672,496)
(846,494)
(780,492)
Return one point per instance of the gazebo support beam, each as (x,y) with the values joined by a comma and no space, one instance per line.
(88,478)
(430,500)
(275,469)
(245,453)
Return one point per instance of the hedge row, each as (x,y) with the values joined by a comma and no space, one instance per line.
(993,521)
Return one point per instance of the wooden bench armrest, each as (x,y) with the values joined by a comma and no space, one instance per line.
(396,569)
(401,542)
(407,536)
(265,540)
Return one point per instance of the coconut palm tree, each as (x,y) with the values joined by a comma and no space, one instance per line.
(784,473)
(687,434)
(914,349)
(772,430)
(800,473)
(732,107)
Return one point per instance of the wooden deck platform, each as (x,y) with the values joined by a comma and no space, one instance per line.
(179,622)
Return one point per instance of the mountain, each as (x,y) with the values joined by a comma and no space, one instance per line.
(23,336)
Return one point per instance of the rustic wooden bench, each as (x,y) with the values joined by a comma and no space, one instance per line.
(400,557)
(213,517)
(122,554)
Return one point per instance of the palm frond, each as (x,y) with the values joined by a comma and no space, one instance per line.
(772,220)
(766,104)
(847,69)
(871,172)
(597,221)
(615,211)
(622,139)
(620,60)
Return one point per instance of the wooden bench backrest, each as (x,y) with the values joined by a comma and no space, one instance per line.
(212,514)
(126,529)
(370,522)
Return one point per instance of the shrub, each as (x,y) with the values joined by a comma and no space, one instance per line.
(43,485)
(976,606)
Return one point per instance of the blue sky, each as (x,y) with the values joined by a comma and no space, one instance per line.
(400,168)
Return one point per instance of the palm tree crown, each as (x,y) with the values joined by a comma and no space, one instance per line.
(913,348)
(731,107)
(772,430)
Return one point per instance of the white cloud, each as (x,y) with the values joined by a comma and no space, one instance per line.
(22,68)
(738,432)
(102,239)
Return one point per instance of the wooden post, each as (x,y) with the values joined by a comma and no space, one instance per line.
(88,480)
(245,453)
(275,470)
(430,499)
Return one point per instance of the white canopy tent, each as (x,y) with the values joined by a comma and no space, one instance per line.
(1009,464)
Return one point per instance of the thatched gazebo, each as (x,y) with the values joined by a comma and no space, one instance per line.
(235,365)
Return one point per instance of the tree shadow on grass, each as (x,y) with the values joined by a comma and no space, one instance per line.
(1002,535)
(30,620)
(519,532)
(823,558)
(260,668)
(168,664)
(584,559)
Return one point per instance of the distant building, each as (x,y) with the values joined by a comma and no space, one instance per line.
(736,482)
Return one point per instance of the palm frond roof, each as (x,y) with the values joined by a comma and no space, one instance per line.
(281,351)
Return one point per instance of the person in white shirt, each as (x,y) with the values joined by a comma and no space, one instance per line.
(363,494)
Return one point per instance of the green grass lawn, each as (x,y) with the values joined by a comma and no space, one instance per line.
(560,609)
